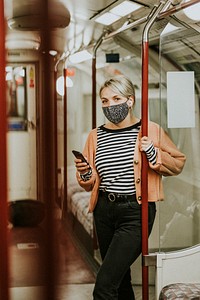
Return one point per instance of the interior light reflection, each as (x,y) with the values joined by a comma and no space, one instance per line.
(60,84)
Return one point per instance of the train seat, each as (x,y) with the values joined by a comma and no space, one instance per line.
(79,207)
(176,273)
(77,201)
(180,291)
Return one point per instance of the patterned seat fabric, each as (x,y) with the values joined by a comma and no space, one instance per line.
(181,291)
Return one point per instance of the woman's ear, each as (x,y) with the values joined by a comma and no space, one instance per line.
(131,101)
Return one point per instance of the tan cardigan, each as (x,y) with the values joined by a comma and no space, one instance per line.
(170,161)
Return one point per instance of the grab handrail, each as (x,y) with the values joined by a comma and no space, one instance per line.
(144,193)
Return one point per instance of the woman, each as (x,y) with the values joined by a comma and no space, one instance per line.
(113,152)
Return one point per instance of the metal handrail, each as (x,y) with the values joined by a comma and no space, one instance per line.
(161,15)
(144,175)
(96,46)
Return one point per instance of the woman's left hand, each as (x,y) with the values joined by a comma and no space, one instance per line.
(145,142)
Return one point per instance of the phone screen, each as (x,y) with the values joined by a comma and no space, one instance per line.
(79,155)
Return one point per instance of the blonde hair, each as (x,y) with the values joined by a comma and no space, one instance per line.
(120,84)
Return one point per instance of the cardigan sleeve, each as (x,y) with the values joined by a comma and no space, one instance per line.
(89,152)
(170,160)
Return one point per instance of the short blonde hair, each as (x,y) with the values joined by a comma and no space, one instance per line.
(120,84)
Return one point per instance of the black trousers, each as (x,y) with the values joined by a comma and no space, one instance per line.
(118,227)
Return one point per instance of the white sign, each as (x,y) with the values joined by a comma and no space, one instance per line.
(180,99)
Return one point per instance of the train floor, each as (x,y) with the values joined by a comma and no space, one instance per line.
(75,276)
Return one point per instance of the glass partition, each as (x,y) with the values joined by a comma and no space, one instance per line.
(179,213)
(16,95)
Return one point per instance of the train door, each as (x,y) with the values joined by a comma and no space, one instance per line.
(21,135)
(179,215)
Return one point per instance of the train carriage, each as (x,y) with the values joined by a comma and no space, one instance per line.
(56,55)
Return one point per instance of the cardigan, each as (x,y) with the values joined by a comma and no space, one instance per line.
(170,161)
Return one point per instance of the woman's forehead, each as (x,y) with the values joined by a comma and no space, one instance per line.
(109,92)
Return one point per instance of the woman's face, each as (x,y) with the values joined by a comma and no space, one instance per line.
(109,97)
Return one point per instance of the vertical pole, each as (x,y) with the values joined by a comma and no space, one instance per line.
(47,152)
(65,136)
(4,270)
(145,62)
(145,292)
(55,136)
(94,100)
(94,107)
(94,121)
(94,91)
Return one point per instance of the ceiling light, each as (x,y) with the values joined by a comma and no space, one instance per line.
(80,56)
(189,14)
(60,84)
(53,52)
(193,12)
(117,12)
(9,76)
(107,18)
(8,69)
(125,8)
(22,44)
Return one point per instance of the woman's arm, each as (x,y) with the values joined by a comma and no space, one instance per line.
(89,153)
(170,160)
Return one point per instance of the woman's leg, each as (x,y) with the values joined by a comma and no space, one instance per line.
(118,229)
(125,290)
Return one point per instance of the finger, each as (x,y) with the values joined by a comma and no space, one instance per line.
(77,160)
(82,169)
(144,138)
(81,165)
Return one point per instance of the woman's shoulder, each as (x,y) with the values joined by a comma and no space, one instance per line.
(92,136)
(93,133)
(153,125)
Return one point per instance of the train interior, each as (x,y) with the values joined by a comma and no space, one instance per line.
(52,103)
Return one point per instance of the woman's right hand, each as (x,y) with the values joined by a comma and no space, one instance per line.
(81,167)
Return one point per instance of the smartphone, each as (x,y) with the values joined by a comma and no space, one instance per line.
(79,155)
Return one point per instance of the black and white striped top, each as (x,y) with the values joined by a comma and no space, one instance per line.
(114,158)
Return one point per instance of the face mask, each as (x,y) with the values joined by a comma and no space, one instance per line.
(116,113)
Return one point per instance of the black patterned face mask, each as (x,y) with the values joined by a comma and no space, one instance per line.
(116,113)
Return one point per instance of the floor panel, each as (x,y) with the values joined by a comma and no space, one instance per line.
(75,277)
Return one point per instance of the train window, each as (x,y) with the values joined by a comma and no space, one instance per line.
(16,95)
(181,209)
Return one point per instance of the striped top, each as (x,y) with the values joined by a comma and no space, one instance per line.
(114,158)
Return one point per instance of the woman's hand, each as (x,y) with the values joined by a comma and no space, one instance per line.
(145,142)
(81,167)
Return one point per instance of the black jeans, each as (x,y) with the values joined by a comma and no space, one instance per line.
(118,227)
